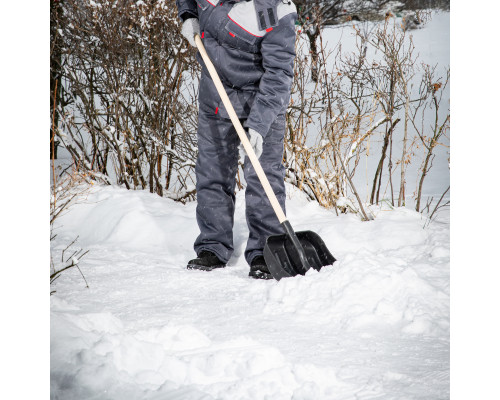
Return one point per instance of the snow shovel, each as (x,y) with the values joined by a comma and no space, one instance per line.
(291,253)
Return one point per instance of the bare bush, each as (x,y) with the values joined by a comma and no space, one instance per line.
(130,115)
(432,87)
(353,100)
(67,188)
(390,78)
(322,134)
(314,15)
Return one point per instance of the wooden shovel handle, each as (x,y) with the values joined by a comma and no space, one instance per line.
(241,131)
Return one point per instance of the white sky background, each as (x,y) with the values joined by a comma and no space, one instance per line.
(25,176)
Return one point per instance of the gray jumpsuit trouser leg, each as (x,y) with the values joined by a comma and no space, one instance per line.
(216,169)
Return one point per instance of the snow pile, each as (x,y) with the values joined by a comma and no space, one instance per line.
(375,324)
(365,296)
(125,220)
(95,357)
(368,287)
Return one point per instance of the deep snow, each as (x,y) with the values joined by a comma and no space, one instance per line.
(373,325)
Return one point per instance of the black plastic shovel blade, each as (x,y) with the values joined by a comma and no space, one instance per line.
(283,256)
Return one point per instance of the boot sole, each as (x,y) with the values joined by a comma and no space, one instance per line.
(204,267)
(259,275)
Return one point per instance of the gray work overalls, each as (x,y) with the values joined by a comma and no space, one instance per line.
(252,45)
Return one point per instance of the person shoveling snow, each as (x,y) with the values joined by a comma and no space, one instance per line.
(252,46)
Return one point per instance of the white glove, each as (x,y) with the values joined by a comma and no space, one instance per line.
(256,141)
(190,27)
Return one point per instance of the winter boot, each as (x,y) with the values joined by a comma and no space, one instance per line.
(258,269)
(206,261)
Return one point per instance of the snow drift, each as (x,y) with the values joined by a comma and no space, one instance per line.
(373,325)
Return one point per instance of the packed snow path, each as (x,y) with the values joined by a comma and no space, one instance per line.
(375,325)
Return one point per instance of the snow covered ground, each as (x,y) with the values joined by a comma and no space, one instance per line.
(375,325)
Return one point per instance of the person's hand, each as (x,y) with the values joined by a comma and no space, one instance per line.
(190,27)
(256,141)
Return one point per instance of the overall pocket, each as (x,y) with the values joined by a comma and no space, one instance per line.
(237,32)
